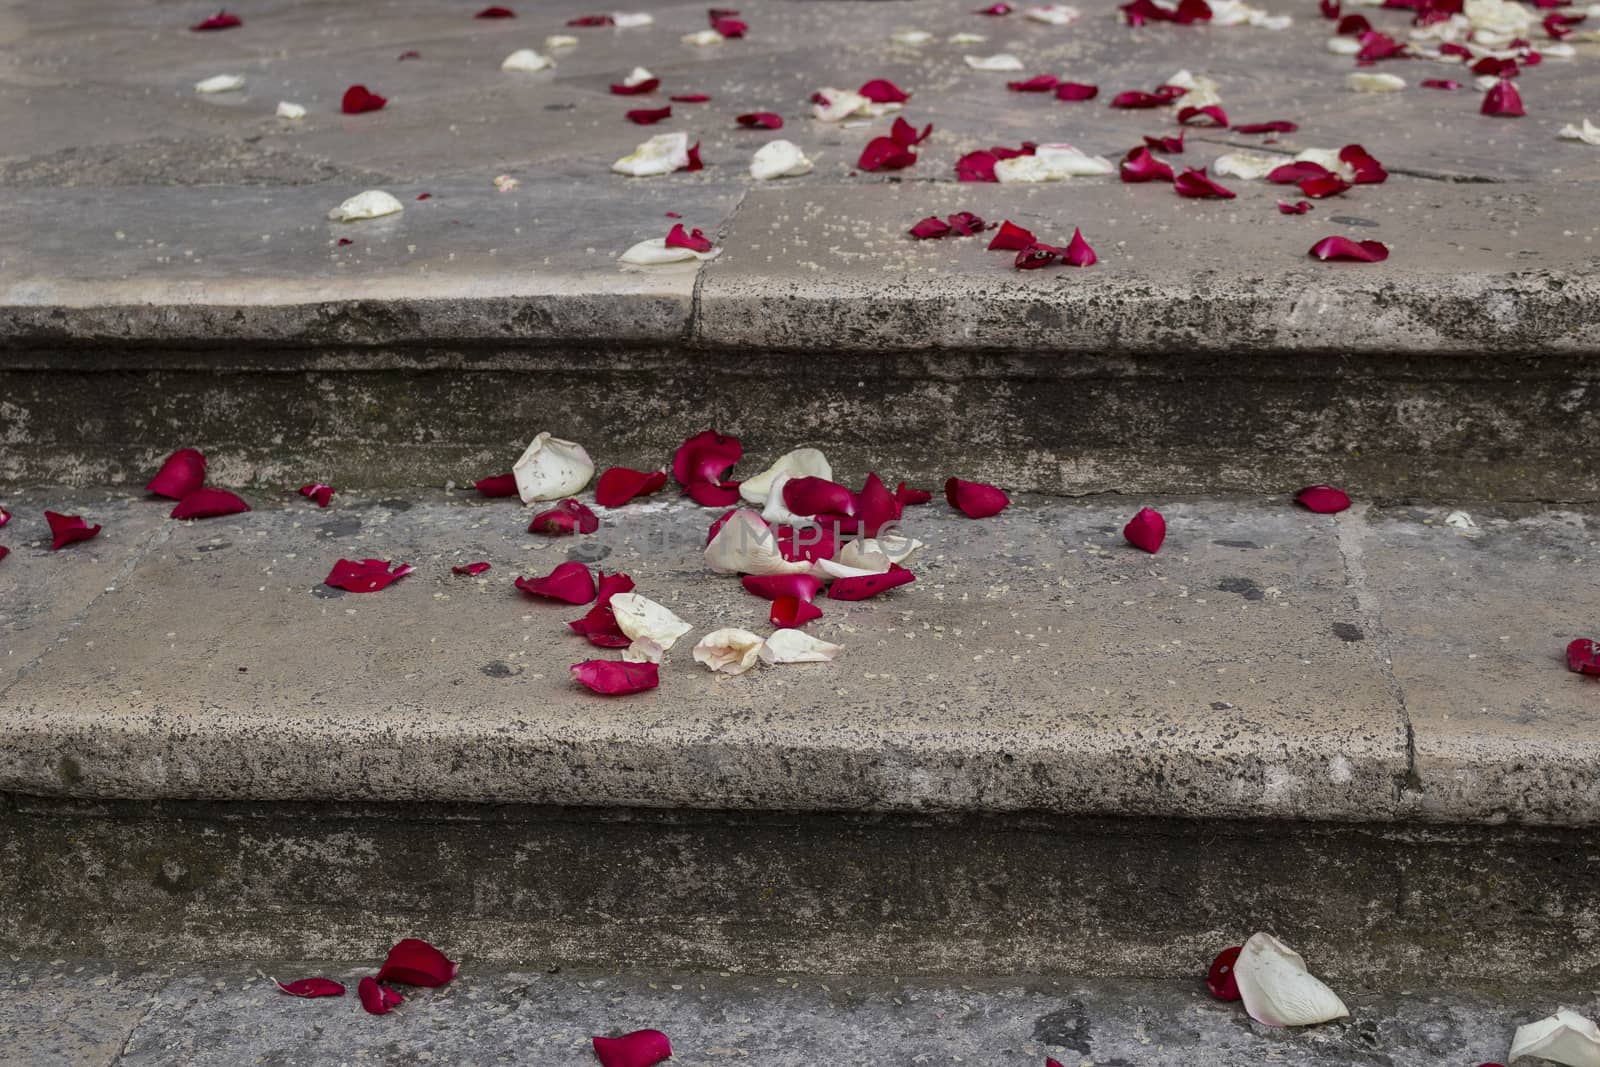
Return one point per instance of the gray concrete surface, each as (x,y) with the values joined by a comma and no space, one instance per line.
(173,1014)
(137,209)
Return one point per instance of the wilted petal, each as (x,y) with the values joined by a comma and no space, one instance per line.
(618,485)
(1165,144)
(310,988)
(377,999)
(1323,499)
(789,645)
(358,99)
(209,504)
(870,585)
(1278,990)
(766,119)
(975,500)
(570,582)
(1344,248)
(365,576)
(648,116)
(705,457)
(1146,530)
(642,1048)
(1565,1037)
(661,154)
(68,529)
(568,516)
(1503,100)
(1583,656)
(729,650)
(1140,166)
(1074,92)
(470,569)
(1194,183)
(617,678)
(551,468)
(494,486)
(1219,979)
(183,472)
(1299,207)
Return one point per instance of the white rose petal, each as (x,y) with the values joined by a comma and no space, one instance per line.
(1498,16)
(1271,22)
(631,21)
(774,510)
(661,154)
(1485,82)
(731,651)
(637,77)
(643,650)
(1278,990)
(1460,520)
(966,38)
(863,553)
(703,38)
(1558,50)
(801,463)
(372,204)
(220,83)
(1326,158)
(779,159)
(839,104)
(643,619)
(505,183)
(654,252)
(827,568)
(745,545)
(1588,133)
(1003,62)
(1053,14)
(1052,163)
(287,110)
(1565,1037)
(551,468)
(1247,165)
(1363,82)
(911,37)
(1454,28)
(796,646)
(896,548)
(1343,46)
(526,60)
(560,40)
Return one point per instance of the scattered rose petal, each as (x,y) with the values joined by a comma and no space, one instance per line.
(805,541)
(661,154)
(775,586)
(220,83)
(1219,980)
(1165,144)
(764,119)
(965,223)
(415,962)
(638,82)
(1050,163)
(975,500)
(323,494)
(779,159)
(932,226)
(742,543)
(470,569)
(222,20)
(789,645)
(1276,988)
(1039,83)
(5,516)
(800,462)
(526,61)
(590,20)
(1588,133)
(909,496)
(1363,82)
(1146,530)
(1323,499)
(1565,1037)
(655,252)
(1299,207)
(1323,186)
(649,116)
(1078,254)
(4,552)
(1503,100)
(1441,83)
(976,167)
(1011,238)
(1002,62)
(1194,183)
(705,457)
(1583,656)
(496,13)
(690,98)
(1346,249)
(618,485)
(1134,99)
(570,583)
(410,53)
(495,485)
(569,516)
(818,496)
(505,183)
(1291,173)
(1247,165)
(995,9)
(885,153)
(68,529)
(1053,14)
(1140,166)
(551,468)
(631,21)
(883,91)
(1275,126)
(712,495)
(366,576)
(642,1048)
(678,237)
(789,612)
(1074,92)
(1365,169)
(358,99)
(600,627)
(643,619)
(183,472)
(209,504)
(310,988)
(372,204)
(870,585)
(377,999)
(1214,116)
(729,650)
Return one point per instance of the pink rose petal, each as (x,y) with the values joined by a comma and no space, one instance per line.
(570,582)
(377,999)
(1078,253)
(649,85)
(1140,166)
(415,962)
(359,99)
(642,1048)
(773,586)
(884,91)
(1076,92)
(1583,656)
(209,504)
(1346,249)
(818,496)
(1146,530)
(677,237)
(1503,100)
(310,988)
(975,500)
(618,485)
(705,457)
(1275,126)
(1011,238)
(68,529)
(494,486)
(789,613)
(566,517)
(1299,207)
(1212,114)
(470,569)
(1219,979)
(1039,83)
(220,21)
(1194,183)
(649,116)
(616,677)
(366,576)
(1323,499)
(870,585)
(769,120)
(183,472)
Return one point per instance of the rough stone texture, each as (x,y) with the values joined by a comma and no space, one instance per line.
(232,1014)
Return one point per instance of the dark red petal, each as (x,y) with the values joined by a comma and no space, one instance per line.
(818,496)
(766,119)
(612,584)
(183,472)
(649,116)
(220,21)
(600,627)
(870,585)
(1441,83)
(975,500)
(884,91)
(1500,68)
(1583,656)
(1329,8)
(772,586)
(1325,186)
(1353,26)
(1290,173)
(415,962)
(1134,98)
(591,20)
(716,13)
(496,13)
(713,494)
(705,457)
(310,988)
(1368,171)
(1194,183)
(642,1048)
(905,135)
(976,167)
(471,569)
(1035,256)
(810,542)
(1074,92)
(1300,207)
(1039,83)
(1322,499)
(1344,248)
(1190,116)
(1140,166)
(730,27)
(965,223)
(410,53)
(1190,11)
(1170,93)
(1461,52)
(366,576)
(876,506)
(67,529)
(791,612)
(1503,100)
(345,241)
(1146,530)
(1275,126)
(567,517)
(1078,253)
(495,485)
(909,496)
(617,678)
(1165,144)
(885,153)
(690,98)
(932,226)
(694,163)
(4,552)
(377,999)
(209,504)
(570,582)
(1220,980)
(358,98)
(5,516)
(1010,238)
(618,485)
(649,85)
(695,242)
(1376,46)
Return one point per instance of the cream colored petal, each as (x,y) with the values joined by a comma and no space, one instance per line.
(372,204)
(642,618)
(220,83)
(654,252)
(966,38)
(914,38)
(1054,14)
(1565,1037)
(560,40)
(661,154)
(505,183)
(1002,62)
(631,20)
(551,468)
(745,545)
(800,463)
(1460,520)
(1278,990)
(838,105)
(897,547)
(731,651)
(636,77)
(779,159)
(796,646)
(1498,16)
(286,110)
(827,568)
(1052,163)
(703,38)
(643,650)
(526,60)
(1343,46)
(775,511)
(1250,166)
(1588,133)
(862,554)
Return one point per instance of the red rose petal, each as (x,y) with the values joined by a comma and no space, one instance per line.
(642,1048)
(876,506)
(410,53)
(612,584)
(1503,100)
(1325,186)
(1500,68)
(1353,26)
(1275,126)
(1329,8)
(570,582)
(1134,98)
(765,119)
(808,542)
(5,516)
(716,13)
(323,494)
(1075,92)
(690,98)
(995,9)
(592,20)
(496,485)
(1039,83)
(1290,173)
(1078,253)
(600,627)
(1190,11)
(1011,238)
(649,85)
(884,91)
(183,472)
(4,552)
(1346,249)
(649,116)
(1140,166)
(976,167)
(68,529)
(791,612)
(566,517)
(695,242)
(932,226)
(909,496)
(713,494)
(345,241)
(1036,256)
(1220,980)
(377,999)
(870,585)
(1461,52)
(773,586)
(1368,171)
(220,21)
(1194,183)
(1440,83)
(496,13)
(965,223)
(415,962)
(1376,46)
(975,500)
(366,576)
(1300,207)
(1165,144)
(358,99)
(1146,530)
(610,677)
(818,496)
(209,504)
(618,485)
(470,569)
(730,27)
(1188,116)
(905,135)
(705,457)
(1323,499)
(310,988)
(1583,656)
(1557,26)
(694,163)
